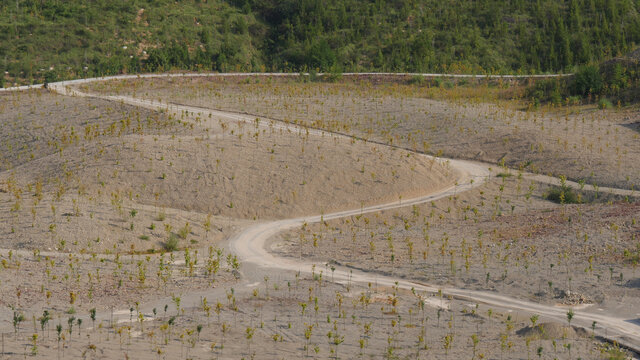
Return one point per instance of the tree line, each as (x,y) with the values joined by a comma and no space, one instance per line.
(62,39)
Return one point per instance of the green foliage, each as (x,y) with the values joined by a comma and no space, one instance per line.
(548,90)
(319,55)
(111,37)
(466,36)
(574,100)
(172,243)
(417,80)
(562,195)
(587,80)
(50,76)
(604,103)
(614,81)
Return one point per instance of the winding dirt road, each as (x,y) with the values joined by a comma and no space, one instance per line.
(251,244)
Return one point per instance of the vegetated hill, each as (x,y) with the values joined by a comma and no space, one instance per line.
(76,38)
(79,38)
(614,81)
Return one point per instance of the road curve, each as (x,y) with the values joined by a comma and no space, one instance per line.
(250,244)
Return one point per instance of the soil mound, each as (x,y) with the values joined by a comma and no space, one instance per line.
(552,330)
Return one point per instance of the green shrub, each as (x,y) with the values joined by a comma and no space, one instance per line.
(547,90)
(417,80)
(604,103)
(574,100)
(587,80)
(562,195)
(50,77)
(334,76)
(536,102)
(616,77)
(556,98)
(313,75)
(172,243)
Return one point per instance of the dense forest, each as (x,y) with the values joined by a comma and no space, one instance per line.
(56,39)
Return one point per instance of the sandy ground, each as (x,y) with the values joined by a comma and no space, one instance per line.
(37,123)
(496,240)
(306,318)
(595,146)
(104,192)
(74,283)
(118,165)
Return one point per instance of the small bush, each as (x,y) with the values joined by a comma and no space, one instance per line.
(563,195)
(313,75)
(172,243)
(417,80)
(604,103)
(556,98)
(547,90)
(50,77)
(437,82)
(574,100)
(144,237)
(334,76)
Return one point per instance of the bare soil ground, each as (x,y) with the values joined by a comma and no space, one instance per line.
(307,318)
(591,145)
(92,191)
(494,239)
(91,180)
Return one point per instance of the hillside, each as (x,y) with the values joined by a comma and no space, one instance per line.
(69,39)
